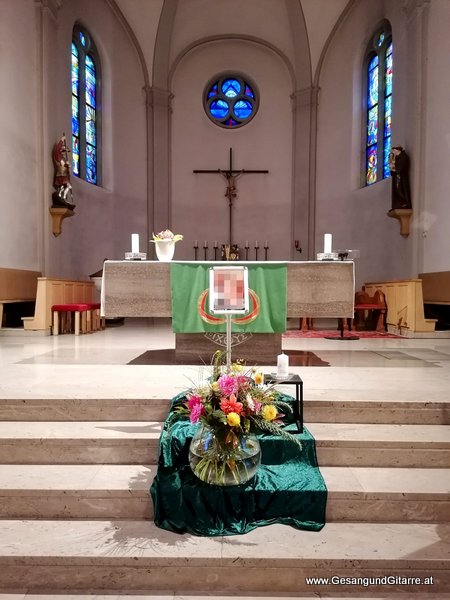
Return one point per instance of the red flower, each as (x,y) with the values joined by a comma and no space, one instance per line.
(230,404)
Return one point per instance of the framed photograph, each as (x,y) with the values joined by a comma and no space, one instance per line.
(228,290)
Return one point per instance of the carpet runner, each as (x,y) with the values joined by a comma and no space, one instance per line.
(325,333)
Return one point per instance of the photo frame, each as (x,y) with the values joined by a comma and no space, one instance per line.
(228,290)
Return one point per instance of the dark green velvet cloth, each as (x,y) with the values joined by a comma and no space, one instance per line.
(288,487)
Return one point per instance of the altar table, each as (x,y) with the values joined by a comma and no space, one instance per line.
(142,288)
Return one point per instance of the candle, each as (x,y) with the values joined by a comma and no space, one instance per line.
(216,245)
(256,244)
(196,244)
(205,244)
(327,243)
(246,244)
(266,245)
(135,243)
(282,365)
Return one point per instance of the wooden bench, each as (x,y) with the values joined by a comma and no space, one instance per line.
(405,309)
(51,291)
(436,296)
(17,286)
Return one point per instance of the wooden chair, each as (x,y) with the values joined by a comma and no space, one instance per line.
(365,306)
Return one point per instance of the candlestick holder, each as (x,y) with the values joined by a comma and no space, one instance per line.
(266,249)
(205,248)
(135,256)
(256,250)
(195,249)
(297,246)
(247,246)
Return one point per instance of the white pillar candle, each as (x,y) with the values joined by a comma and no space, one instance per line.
(282,365)
(327,243)
(135,243)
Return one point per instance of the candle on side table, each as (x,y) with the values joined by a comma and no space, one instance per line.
(327,243)
(282,365)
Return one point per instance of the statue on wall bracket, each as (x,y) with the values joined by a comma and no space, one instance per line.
(62,196)
(401,207)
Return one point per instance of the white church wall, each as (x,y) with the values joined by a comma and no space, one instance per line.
(19,141)
(262,209)
(106,214)
(434,223)
(354,214)
(263,19)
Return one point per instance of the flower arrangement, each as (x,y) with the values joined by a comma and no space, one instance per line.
(167,236)
(231,406)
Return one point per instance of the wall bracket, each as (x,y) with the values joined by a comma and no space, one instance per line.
(404,216)
(58,214)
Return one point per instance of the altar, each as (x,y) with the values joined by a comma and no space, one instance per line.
(314,289)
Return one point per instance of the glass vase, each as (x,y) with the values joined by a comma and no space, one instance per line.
(219,463)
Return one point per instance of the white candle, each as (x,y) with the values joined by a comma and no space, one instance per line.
(135,243)
(282,365)
(327,243)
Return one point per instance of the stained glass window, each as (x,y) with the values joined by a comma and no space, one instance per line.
(230,101)
(378,127)
(85,117)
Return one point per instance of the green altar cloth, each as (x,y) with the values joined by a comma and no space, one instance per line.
(288,487)
(189,284)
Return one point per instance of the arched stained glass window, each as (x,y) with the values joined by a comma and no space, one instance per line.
(378,122)
(230,100)
(85,107)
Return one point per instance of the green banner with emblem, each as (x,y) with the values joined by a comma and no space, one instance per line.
(190,305)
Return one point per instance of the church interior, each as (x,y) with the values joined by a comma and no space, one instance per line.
(268,131)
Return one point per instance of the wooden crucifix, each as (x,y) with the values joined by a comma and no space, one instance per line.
(230,175)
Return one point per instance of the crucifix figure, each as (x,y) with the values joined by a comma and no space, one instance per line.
(230,175)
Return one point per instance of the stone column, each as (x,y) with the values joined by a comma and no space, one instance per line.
(304,106)
(159,105)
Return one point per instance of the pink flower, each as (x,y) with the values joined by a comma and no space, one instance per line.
(195,405)
(196,413)
(227,385)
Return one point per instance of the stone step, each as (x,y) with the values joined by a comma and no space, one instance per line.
(317,408)
(52,556)
(136,442)
(122,492)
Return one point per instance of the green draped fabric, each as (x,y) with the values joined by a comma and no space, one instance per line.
(266,280)
(288,487)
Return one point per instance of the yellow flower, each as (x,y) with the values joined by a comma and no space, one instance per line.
(269,412)
(237,367)
(259,378)
(233,419)
(215,386)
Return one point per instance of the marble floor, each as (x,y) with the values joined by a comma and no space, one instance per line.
(40,366)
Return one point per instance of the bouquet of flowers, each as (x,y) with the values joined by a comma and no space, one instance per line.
(231,406)
(167,236)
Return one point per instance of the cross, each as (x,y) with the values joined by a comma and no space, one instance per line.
(230,175)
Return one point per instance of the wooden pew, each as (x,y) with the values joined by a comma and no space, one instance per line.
(404,300)
(436,287)
(52,291)
(16,286)
(436,297)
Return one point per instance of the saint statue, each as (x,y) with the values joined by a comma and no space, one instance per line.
(399,168)
(62,196)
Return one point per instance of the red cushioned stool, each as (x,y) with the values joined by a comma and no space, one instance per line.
(81,317)
(97,321)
